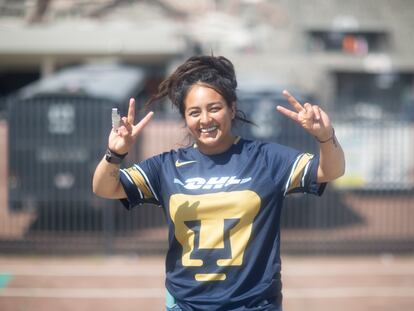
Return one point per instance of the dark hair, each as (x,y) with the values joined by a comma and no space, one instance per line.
(216,72)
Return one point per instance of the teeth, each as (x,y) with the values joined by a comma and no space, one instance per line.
(209,129)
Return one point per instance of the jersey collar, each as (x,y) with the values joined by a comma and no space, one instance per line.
(236,141)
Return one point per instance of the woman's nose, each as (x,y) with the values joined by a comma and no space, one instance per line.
(204,117)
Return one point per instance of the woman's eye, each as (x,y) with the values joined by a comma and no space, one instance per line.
(194,113)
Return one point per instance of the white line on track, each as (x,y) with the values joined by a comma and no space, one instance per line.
(349,292)
(142,293)
(93,271)
(350,270)
(97,293)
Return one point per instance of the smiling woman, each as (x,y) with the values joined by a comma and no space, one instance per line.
(209,119)
(223,195)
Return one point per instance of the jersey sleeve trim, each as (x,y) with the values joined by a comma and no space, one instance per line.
(130,179)
(298,172)
(138,180)
(147,182)
(303,176)
(137,187)
(305,172)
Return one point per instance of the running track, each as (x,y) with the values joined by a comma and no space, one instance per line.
(136,283)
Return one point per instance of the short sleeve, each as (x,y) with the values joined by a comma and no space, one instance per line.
(141,182)
(303,175)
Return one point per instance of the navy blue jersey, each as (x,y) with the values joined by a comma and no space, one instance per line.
(223,214)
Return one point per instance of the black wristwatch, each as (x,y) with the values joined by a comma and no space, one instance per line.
(113,157)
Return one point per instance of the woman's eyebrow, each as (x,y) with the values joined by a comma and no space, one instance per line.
(214,103)
(208,105)
(193,109)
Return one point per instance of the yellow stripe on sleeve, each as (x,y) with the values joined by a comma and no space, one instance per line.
(139,181)
(298,171)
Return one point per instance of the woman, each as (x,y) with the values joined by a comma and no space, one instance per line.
(222,196)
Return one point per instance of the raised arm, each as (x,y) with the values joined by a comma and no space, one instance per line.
(106,182)
(316,122)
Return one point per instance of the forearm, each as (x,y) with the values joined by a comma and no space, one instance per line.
(331,161)
(106,181)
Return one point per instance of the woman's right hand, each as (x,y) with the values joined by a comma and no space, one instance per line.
(122,139)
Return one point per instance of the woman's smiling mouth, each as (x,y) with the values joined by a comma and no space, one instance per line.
(208,129)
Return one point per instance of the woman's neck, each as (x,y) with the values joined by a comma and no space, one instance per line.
(223,147)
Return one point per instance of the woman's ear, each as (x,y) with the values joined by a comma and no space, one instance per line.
(233,110)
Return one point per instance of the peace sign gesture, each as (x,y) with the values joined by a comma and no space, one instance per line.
(122,139)
(311,117)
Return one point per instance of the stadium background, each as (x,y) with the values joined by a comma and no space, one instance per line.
(57,59)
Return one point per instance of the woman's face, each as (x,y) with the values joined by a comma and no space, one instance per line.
(209,119)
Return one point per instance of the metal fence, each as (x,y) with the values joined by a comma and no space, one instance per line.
(50,147)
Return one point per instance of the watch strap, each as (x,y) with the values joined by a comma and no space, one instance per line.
(113,157)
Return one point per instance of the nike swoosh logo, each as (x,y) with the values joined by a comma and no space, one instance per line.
(178,163)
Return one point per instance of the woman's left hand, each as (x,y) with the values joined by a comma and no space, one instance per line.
(311,117)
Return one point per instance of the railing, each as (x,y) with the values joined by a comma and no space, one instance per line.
(47,205)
